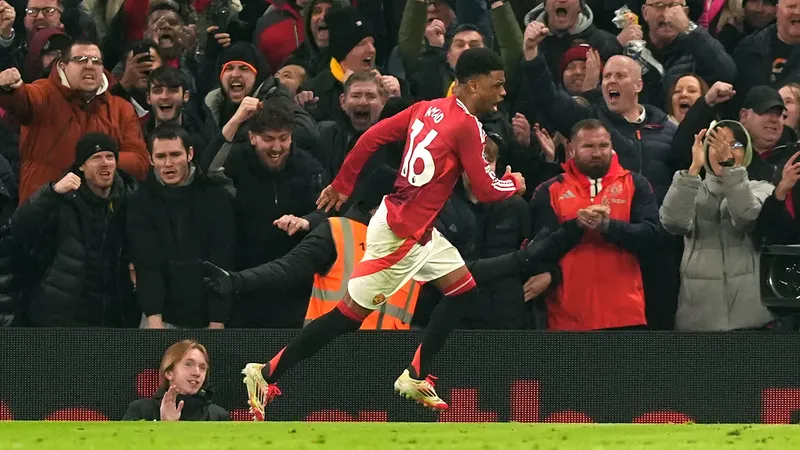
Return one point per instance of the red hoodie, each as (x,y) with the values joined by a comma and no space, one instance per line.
(279,33)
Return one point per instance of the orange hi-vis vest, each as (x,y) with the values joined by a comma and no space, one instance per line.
(350,238)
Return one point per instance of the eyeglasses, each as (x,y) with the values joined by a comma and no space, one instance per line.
(737,145)
(48,12)
(661,6)
(82,60)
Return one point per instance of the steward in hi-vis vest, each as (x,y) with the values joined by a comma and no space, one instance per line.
(350,237)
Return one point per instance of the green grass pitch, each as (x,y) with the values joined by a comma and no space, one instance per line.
(389,436)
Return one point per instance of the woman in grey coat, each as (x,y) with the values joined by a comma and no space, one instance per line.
(720,266)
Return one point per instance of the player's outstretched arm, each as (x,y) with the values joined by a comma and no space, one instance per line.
(386,131)
(485,185)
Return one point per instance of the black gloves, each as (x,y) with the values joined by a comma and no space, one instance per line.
(219,281)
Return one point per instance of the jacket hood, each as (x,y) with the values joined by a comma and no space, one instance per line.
(307,12)
(585,18)
(33,66)
(738,130)
(60,78)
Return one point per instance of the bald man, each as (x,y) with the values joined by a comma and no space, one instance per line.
(640,134)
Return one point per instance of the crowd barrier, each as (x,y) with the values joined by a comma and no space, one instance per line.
(621,377)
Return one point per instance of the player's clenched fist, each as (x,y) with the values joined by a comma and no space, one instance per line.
(69,183)
(10,79)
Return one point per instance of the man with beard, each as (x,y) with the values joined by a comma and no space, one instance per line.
(75,228)
(642,136)
(680,46)
(276,185)
(168,96)
(242,74)
(55,112)
(598,284)
(352,48)
(757,15)
(177,219)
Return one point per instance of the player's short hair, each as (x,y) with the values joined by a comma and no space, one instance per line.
(276,115)
(174,354)
(490,151)
(586,124)
(169,131)
(361,76)
(476,62)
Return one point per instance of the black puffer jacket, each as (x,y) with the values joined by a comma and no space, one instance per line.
(261,197)
(80,276)
(172,231)
(643,148)
(198,407)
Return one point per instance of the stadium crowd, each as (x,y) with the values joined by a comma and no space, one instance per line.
(150,149)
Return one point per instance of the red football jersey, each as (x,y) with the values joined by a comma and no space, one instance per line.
(442,140)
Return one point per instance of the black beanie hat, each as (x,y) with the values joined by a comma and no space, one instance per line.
(346,28)
(92,143)
(244,52)
(376,185)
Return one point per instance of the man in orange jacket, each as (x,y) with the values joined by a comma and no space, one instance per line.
(57,111)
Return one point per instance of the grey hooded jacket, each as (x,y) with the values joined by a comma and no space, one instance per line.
(720,282)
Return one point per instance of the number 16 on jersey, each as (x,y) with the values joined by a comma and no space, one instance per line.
(419,152)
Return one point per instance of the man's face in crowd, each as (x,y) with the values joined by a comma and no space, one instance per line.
(238,81)
(41,20)
(573,77)
(291,76)
(562,15)
(655,14)
(362,104)
(166,102)
(462,41)
(99,169)
(758,13)
(141,83)
(592,150)
(765,129)
(189,374)
(170,160)
(272,148)
(164,27)
(622,82)
(441,11)
(319,29)
(81,72)
(788,14)
(49,57)
(490,90)
(362,56)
